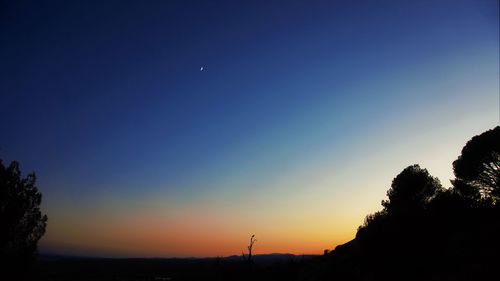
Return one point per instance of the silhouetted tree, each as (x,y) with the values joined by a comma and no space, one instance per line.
(21,221)
(248,257)
(479,164)
(411,190)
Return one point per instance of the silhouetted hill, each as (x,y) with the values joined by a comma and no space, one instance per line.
(259,258)
(426,231)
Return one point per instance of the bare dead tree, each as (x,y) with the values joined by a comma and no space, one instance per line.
(248,257)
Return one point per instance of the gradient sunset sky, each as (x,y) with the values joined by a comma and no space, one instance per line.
(303,114)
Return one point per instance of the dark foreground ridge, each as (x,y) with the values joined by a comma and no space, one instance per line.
(265,267)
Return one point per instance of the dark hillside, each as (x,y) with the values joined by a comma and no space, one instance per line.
(427,232)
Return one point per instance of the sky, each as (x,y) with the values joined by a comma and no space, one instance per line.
(181,128)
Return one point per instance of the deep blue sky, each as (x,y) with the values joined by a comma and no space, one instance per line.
(105,100)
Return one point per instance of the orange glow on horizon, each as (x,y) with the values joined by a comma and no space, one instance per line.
(191,235)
